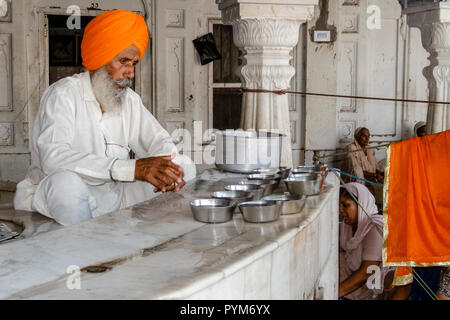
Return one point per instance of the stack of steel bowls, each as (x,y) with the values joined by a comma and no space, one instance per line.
(213,210)
(290,204)
(269,171)
(322,169)
(306,184)
(266,177)
(283,171)
(258,191)
(268,185)
(306,180)
(260,211)
(221,207)
(235,196)
(247,195)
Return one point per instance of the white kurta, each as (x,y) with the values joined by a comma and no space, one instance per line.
(70,133)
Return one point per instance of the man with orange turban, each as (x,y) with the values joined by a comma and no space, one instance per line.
(87,125)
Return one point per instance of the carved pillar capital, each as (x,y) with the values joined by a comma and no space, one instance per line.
(278,9)
(433,20)
(441,73)
(266,44)
(436,38)
(266,31)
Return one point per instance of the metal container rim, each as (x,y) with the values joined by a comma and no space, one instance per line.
(227,203)
(259,134)
(259,203)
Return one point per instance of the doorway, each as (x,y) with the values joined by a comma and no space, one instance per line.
(64,47)
(225,85)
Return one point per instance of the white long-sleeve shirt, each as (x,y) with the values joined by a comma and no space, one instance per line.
(71,133)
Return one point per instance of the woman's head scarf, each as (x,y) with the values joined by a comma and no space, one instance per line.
(358,132)
(368,216)
(419,125)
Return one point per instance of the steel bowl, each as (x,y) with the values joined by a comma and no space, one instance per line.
(260,176)
(235,196)
(310,169)
(258,191)
(213,210)
(290,204)
(266,177)
(304,184)
(268,185)
(260,211)
(269,171)
(283,171)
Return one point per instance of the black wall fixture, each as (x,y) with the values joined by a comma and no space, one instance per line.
(206,48)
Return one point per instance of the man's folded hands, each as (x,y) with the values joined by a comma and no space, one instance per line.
(161,172)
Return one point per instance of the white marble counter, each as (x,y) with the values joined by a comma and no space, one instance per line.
(156,250)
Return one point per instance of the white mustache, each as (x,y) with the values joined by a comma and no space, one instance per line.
(106,92)
(123,82)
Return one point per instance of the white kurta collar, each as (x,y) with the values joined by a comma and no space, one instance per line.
(88,93)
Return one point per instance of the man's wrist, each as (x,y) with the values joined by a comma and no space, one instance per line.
(124,170)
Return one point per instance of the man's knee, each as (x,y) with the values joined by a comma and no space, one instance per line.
(68,198)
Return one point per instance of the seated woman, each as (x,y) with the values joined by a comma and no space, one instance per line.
(360,246)
(361,163)
(420,129)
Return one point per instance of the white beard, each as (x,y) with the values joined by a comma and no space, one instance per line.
(110,98)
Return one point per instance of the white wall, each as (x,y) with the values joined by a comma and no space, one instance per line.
(14,157)
(386,62)
(176,93)
(417,85)
(181,99)
(22,42)
(321,70)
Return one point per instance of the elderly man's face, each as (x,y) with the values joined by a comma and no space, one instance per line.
(122,66)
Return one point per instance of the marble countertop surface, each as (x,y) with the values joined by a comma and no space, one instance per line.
(153,250)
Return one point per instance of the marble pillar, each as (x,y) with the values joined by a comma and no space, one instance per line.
(433,20)
(266,32)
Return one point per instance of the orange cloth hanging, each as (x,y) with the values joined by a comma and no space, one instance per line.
(403,276)
(417,206)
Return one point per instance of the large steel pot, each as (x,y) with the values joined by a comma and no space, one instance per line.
(245,151)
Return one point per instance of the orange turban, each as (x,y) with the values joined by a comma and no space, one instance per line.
(109,34)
